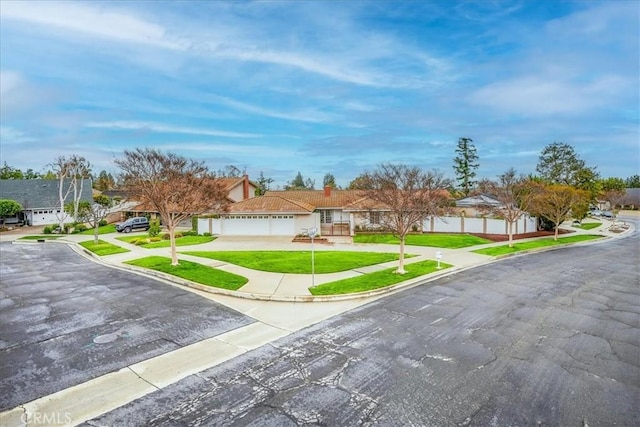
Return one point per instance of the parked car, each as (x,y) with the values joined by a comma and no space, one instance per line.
(133,224)
(606,214)
(596,212)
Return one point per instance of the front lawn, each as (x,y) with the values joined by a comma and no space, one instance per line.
(45,237)
(192,271)
(588,225)
(379,279)
(437,240)
(105,229)
(298,262)
(145,241)
(103,248)
(534,244)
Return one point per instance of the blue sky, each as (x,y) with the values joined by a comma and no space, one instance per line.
(321,87)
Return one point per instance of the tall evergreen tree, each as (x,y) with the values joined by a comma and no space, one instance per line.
(329,180)
(465,164)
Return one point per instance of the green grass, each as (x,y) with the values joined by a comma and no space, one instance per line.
(437,240)
(534,244)
(298,262)
(180,241)
(103,248)
(46,237)
(106,229)
(193,271)
(379,279)
(588,225)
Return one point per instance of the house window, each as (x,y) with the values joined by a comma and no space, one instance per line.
(374,218)
(325,217)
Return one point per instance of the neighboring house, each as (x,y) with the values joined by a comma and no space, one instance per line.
(476,206)
(40,198)
(237,189)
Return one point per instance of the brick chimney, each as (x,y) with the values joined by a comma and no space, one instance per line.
(245,187)
(327,191)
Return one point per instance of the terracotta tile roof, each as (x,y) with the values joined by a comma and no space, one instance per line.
(337,199)
(271,203)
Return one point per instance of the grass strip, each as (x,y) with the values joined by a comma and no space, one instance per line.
(180,241)
(105,229)
(436,240)
(103,248)
(588,225)
(298,262)
(534,244)
(377,280)
(45,237)
(192,271)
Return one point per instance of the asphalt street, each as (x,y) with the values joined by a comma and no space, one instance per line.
(65,320)
(545,339)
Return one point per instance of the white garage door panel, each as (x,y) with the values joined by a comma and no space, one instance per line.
(282,225)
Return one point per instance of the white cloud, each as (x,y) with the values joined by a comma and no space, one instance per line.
(90,20)
(160,128)
(540,95)
(308,115)
(9,135)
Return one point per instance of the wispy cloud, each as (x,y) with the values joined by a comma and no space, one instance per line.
(91,20)
(160,128)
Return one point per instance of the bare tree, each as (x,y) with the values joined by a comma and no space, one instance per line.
(175,187)
(515,194)
(554,202)
(79,169)
(615,198)
(61,167)
(406,195)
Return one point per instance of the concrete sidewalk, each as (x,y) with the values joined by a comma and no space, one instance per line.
(268,286)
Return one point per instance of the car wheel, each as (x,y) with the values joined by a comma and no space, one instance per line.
(127,230)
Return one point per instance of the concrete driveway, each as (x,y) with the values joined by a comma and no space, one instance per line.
(546,339)
(65,319)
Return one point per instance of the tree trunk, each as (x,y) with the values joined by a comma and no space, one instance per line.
(95,232)
(510,234)
(401,269)
(555,237)
(172,239)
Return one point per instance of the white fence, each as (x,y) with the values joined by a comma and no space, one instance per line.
(460,224)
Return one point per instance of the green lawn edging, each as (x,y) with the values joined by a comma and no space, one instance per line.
(436,240)
(103,248)
(535,244)
(378,279)
(192,271)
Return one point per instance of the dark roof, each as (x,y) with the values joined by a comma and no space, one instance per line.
(39,193)
(632,196)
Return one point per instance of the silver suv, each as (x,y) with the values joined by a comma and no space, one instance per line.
(133,224)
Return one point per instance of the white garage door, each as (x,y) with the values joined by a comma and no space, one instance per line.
(258,225)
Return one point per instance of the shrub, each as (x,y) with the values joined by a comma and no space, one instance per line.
(165,236)
(154,239)
(79,228)
(141,242)
(47,229)
(207,234)
(194,223)
(178,234)
(134,241)
(414,228)
(190,233)
(102,223)
(154,228)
